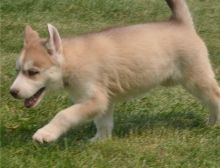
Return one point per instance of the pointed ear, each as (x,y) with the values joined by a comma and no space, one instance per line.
(54,40)
(30,35)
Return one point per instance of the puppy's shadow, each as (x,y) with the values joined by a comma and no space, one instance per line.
(124,124)
(138,123)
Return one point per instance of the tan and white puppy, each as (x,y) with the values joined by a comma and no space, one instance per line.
(102,68)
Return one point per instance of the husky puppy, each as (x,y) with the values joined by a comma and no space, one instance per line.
(102,68)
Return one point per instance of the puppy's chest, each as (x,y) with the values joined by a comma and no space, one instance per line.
(74,90)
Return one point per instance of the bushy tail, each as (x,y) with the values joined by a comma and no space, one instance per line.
(180,12)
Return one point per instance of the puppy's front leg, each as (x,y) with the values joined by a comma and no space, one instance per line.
(72,116)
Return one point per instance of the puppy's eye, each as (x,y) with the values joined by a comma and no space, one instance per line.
(32,72)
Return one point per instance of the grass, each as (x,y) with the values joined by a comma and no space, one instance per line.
(166,128)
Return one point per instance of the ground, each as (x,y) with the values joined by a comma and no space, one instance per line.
(165,128)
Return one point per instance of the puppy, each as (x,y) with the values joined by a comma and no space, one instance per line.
(99,69)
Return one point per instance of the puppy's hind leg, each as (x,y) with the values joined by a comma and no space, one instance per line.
(205,87)
(104,125)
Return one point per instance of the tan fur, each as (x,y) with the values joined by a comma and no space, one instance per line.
(102,68)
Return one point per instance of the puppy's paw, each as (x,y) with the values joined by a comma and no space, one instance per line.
(94,139)
(211,120)
(99,137)
(46,134)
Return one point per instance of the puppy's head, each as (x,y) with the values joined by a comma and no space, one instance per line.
(38,66)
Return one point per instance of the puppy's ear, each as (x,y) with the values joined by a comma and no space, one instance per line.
(30,35)
(54,41)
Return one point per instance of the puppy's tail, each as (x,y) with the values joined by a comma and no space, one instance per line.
(180,12)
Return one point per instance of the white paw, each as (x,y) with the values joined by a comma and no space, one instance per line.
(94,139)
(211,120)
(46,134)
(99,137)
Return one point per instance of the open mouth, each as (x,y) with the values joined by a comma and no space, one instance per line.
(35,99)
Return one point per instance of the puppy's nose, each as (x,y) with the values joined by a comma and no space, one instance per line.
(14,93)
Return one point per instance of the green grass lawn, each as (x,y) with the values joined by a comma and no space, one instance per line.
(166,128)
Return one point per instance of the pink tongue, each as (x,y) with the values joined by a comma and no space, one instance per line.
(30,102)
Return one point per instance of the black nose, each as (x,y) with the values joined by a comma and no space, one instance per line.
(14,92)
